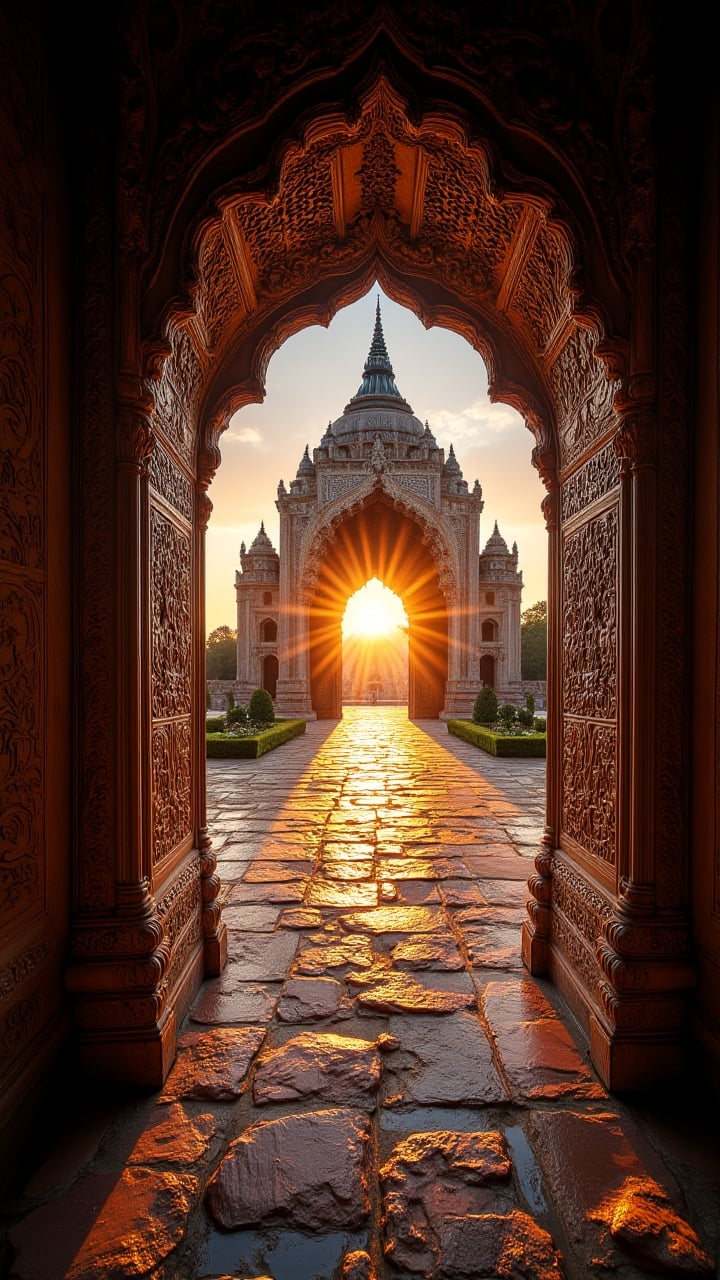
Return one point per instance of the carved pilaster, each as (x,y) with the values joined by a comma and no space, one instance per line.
(536,930)
(213,927)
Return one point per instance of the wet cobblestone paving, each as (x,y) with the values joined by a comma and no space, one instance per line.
(374,1088)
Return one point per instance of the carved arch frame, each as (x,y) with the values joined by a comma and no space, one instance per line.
(606,918)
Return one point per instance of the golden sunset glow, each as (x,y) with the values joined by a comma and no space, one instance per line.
(374,610)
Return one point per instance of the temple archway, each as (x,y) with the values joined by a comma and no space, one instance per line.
(468,203)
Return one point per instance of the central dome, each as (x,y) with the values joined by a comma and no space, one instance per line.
(377,408)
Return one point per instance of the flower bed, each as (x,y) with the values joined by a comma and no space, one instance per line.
(245,746)
(499,744)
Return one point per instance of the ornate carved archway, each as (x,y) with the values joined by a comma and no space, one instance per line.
(487,211)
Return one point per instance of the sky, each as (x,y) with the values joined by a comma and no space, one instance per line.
(310,380)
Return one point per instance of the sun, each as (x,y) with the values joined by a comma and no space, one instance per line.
(374,610)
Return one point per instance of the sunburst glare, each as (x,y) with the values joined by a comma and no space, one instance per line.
(374,610)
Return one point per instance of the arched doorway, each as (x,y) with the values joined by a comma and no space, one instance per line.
(270,674)
(378,540)
(487,670)
(485,213)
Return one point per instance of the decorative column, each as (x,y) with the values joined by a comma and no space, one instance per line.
(644,953)
(293,694)
(214,930)
(119,955)
(536,929)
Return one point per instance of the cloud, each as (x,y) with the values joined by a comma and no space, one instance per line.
(476,424)
(243,435)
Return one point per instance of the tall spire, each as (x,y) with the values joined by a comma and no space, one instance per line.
(378,375)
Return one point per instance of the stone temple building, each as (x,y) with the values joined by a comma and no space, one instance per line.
(375,460)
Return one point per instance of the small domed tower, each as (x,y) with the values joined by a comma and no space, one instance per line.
(257,588)
(500,590)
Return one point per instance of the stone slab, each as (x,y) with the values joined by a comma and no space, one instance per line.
(443,1062)
(311,1170)
(213,1064)
(339,1069)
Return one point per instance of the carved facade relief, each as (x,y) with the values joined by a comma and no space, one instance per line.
(176,394)
(590,787)
(592,481)
(170,596)
(589,685)
(583,393)
(171,787)
(170,605)
(172,483)
(590,618)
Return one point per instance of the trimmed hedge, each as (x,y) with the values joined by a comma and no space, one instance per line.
(498,744)
(224,746)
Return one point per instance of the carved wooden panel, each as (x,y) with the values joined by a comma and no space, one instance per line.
(170,606)
(167,479)
(590,787)
(176,394)
(590,482)
(590,666)
(590,618)
(583,395)
(171,649)
(171,787)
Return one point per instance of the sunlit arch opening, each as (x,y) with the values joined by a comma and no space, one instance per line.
(375,646)
(374,610)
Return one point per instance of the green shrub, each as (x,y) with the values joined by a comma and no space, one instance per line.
(506,715)
(226,747)
(236,715)
(486,705)
(261,708)
(230,700)
(525,717)
(530,704)
(499,744)
(540,724)
(215,724)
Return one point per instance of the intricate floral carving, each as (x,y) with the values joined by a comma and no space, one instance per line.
(171,787)
(180,910)
(590,787)
(167,478)
(170,604)
(592,481)
(590,618)
(583,394)
(176,393)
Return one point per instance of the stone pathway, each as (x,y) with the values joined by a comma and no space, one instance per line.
(374,1089)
